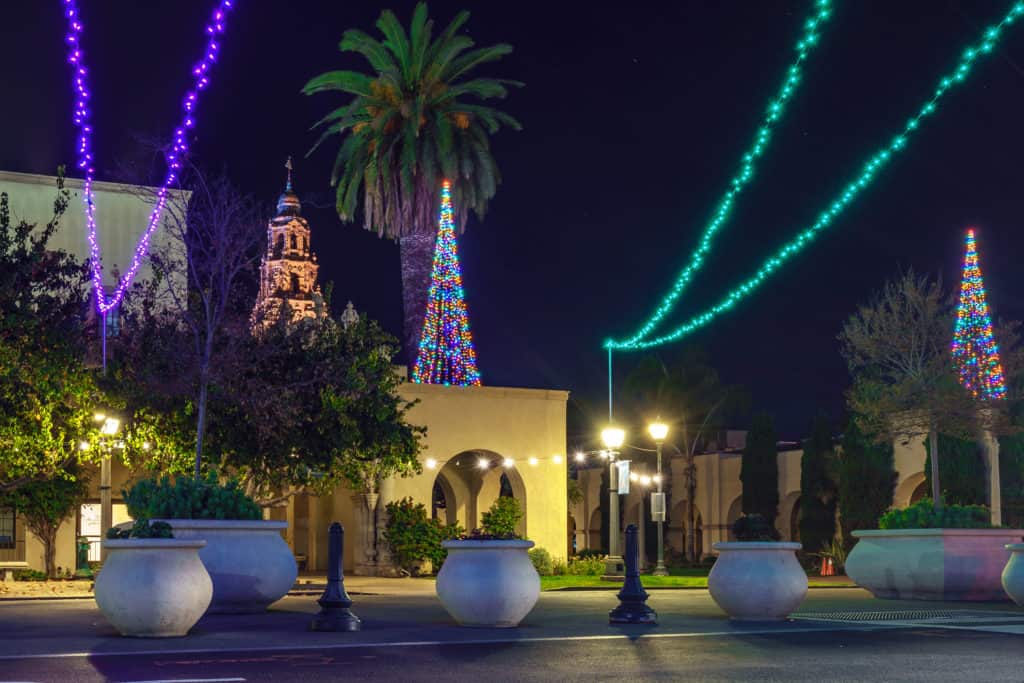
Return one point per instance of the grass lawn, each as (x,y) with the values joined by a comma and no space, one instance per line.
(679,578)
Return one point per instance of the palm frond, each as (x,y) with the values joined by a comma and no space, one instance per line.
(351,82)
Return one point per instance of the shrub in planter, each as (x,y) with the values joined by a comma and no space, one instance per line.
(922,515)
(501,520)
(250,564)
(542,561)
(414,537)
(152,584)
(754,528)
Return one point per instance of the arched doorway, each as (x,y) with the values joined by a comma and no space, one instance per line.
(920,492)
(735,512)
(476,479)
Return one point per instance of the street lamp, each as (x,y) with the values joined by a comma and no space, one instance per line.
(110,427)
(658,431)
(612,438)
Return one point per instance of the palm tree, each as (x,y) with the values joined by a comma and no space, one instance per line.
(407,127)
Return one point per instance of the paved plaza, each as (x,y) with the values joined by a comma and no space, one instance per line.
(838,635)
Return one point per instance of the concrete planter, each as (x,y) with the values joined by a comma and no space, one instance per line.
(153,587)
(931,564)
(1013,574)
(757,580)
(250,564)
(488,583)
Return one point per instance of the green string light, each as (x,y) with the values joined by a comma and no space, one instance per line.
(845,197)
(776,108)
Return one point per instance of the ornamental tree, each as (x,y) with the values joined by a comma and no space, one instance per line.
(866,480)
(818,488)
(759,470)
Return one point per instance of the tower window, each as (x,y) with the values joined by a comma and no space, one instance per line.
(279,247)
(295,242)
(295,281)
(303,244)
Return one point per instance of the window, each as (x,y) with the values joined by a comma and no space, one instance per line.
(303,244)
(279,247)
(7,529)
(295,282)
(295,242)
(113,319)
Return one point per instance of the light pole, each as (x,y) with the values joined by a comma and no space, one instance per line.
(613,437)
(110,427)
(658,431)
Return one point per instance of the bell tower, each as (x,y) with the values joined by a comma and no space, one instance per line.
(288,269)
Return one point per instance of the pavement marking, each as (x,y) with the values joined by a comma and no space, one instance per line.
(190,680)
(478,641)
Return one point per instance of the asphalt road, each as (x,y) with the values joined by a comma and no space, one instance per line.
(902,655)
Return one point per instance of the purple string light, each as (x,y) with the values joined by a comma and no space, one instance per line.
(178,150)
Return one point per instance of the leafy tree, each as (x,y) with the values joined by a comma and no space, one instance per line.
(1011,477)
(961,470)
(414,536)
(866,481)
(905,385)
(415,120)
(45,505)
(818,488)
(759,470)
(47,394)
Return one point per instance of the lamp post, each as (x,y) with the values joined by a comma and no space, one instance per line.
(658,431)
(109,428)
(613,437)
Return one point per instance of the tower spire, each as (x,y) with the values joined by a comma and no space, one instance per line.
(288,165)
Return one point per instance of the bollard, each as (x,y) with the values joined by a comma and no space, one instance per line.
(335,614)
(632,607)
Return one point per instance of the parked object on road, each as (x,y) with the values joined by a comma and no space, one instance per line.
(335,604)
(488,582)
(632,607)
(1013,573)
(931,564)
(153,587)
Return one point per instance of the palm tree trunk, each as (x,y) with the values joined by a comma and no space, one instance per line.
(417,255)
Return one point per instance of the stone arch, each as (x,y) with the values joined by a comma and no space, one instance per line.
(573,533)
(450,507)
(484,484)
(677,540)
(594,530)
(456,492)
(904,494)
(787,519)
(734,513)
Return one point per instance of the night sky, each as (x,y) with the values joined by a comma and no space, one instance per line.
(635,115)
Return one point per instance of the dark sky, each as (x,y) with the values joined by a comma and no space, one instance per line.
(635,115)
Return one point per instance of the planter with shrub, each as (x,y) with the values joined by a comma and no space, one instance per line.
(152,584)
(920,553)
(756,577)
(1013,574)
(250,564)
(488,578)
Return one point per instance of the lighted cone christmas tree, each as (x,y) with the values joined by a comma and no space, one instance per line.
(446,354)
(975,352)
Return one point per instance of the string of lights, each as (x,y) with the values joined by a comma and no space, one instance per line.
(484,462)
(179,148)
(841,201)
(446,354)
(975,352)
(776,108)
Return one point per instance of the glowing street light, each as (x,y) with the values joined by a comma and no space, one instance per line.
(659,432)
(613,437)
(430,463)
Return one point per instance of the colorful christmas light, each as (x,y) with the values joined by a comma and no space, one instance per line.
(446,354)
(975,352)
(642,340)
(179,148)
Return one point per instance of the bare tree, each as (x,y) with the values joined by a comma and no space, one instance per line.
(206,289)
(905,386)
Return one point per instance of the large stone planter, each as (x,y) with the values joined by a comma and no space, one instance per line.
(488,583)
(931,564)
(1013,574)
(757,580)
(153,587)
(250,564)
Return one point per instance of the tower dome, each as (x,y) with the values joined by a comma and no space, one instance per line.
(288,203)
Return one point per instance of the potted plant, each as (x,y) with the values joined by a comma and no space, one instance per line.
(152,584)
(250,564)
(488,579)
(920,553)
(756,577)
(1013,574)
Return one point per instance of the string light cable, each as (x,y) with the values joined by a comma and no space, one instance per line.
(81,117)
(984,46)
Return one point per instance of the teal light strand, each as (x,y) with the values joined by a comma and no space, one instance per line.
(845,197)
(776,108)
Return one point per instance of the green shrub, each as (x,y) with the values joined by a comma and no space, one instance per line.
(542,561)
(586,566)
(590,552)
(142,528)
(922,515)
(414,537)
(29,575)
(188,498)
(500,521)
(559,568)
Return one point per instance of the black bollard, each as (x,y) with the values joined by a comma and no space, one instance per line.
(632,607)
(335,614)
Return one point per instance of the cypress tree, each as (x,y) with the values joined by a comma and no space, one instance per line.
(961,470)
(866,482)
(817,488)
(759,470)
